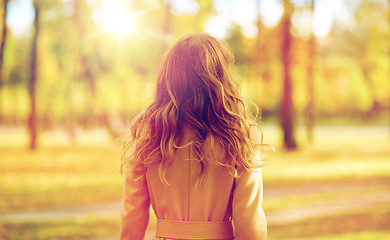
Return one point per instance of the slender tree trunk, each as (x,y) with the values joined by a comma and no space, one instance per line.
(3,35)
(262,62)
(310,115)
(259,54)
(375,107)
(287,108)
(2,43)
(388,24)
(257,58)
(32,119)
(82,60)
(167,27)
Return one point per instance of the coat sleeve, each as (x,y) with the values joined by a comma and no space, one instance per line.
(248,216)
(135,204)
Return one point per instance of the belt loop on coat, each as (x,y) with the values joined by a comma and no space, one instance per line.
(194,229)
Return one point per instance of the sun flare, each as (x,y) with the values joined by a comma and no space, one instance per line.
(121,23)
(115,18)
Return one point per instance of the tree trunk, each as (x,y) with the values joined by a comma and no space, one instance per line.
(389,61)
(310,81)
(83,61)
(259,87)
(167,31)
(2,43)
(287,108)
(375,106)
(259,41)
(32,119)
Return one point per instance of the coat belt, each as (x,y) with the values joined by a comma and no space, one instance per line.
(194,229)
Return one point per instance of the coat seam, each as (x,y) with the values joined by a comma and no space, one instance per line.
(189,182)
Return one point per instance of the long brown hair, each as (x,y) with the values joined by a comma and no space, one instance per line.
(195,88)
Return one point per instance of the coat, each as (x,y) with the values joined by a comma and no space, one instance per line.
(219,199)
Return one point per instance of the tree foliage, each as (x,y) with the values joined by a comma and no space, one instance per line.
(88,75)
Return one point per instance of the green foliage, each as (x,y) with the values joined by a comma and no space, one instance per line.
(82,228)
(236,41)
(86,71)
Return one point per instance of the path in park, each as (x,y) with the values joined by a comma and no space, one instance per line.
(380,195)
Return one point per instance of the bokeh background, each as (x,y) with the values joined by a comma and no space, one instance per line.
(74,72)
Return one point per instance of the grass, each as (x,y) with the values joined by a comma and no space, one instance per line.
(57,177)
(379,235)
(336,153)
(60,174)
(291,200)
(372,223)
(66,176)
(366,224)
(84,228)
(310,166)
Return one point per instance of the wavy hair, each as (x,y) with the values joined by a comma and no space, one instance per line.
(195,88)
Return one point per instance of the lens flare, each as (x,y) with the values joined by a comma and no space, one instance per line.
(121,23)
(115,18)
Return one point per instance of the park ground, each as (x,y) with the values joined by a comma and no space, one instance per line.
(336,187)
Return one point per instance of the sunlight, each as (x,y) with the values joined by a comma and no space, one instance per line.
(115,18)
(121,23)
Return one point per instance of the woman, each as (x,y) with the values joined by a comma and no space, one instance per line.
(194,153)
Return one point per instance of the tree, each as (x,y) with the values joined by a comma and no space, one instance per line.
(287,107)
(236,41)
(206,10)
(32,119)
(262,58)
(167,24)
(363,46)
(3,38)
(310,80)
(84,71)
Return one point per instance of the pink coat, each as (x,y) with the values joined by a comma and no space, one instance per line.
(201,211)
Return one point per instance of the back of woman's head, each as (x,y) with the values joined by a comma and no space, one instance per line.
(195,89)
